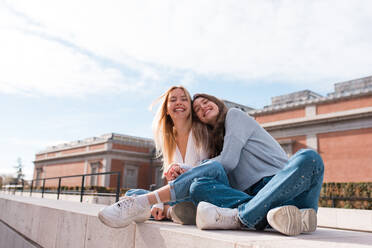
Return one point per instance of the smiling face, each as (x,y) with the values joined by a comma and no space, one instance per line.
(178,104)
(206,110)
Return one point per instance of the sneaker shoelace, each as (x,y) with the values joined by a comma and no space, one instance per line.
(125,204)
(225,219)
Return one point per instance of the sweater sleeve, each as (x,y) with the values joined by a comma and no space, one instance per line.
(238,128)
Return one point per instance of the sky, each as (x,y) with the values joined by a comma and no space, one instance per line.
(71,70)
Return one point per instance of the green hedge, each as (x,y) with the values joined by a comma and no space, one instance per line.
(354,190)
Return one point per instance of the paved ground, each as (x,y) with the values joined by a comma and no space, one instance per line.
(159,232)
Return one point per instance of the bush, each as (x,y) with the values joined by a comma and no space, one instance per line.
(346,190)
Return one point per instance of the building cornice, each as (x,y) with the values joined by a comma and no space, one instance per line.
(94,153)
(321,100)
(106,138)
(318,119)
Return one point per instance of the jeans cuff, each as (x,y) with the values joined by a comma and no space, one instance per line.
(242,220)
(172,192)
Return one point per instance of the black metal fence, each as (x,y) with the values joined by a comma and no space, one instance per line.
(82,188)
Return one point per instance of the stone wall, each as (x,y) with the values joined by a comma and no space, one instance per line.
(33,222)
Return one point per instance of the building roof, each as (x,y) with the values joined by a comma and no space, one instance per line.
(230,104)
(121,138)
(344,90)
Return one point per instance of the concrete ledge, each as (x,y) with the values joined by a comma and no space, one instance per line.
(349,219)
(11,238)
(51,223)
(106,200)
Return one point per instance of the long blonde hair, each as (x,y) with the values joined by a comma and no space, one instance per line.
(165,133)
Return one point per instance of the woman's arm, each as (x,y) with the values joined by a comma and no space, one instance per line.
(238,129)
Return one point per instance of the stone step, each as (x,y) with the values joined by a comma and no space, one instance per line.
(52,223)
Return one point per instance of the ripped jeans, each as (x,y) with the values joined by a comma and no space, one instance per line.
(298,184)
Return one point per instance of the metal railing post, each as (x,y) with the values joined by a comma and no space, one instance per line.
(82,188)
(42,190)
(32,184)
(59,188)
(23,185)
(118,186)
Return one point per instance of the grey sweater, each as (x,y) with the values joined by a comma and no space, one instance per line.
(249,152)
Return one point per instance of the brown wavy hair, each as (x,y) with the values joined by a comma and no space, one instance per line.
(216,133)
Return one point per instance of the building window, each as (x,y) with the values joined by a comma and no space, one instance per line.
(287,146)
(94,169)
(288,149)
(130,176)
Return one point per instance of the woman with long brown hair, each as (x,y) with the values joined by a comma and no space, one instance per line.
(272,189)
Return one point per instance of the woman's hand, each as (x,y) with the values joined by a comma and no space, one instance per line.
(157,211)
(173,172)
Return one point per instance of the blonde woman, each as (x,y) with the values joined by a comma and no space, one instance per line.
(178,140)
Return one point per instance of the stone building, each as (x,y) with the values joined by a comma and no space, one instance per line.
(132,156)
(338,126)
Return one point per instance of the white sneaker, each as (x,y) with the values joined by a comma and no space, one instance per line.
(122,213)
(291,221)
(209,216)
(309,220)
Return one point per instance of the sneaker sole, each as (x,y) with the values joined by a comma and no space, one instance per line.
(292,214)
(184,213)
(105,221)
(309,220)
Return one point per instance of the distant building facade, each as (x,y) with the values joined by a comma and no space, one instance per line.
(132,156)
(338,126)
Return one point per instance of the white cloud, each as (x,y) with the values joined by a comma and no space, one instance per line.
(32,64)
(294,41)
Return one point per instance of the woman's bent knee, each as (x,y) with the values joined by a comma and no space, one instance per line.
(307,157)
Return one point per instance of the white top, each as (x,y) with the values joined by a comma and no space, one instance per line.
(193,156)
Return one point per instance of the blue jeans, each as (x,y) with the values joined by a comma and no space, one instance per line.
(298,184)
(132,192)
(137,192)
